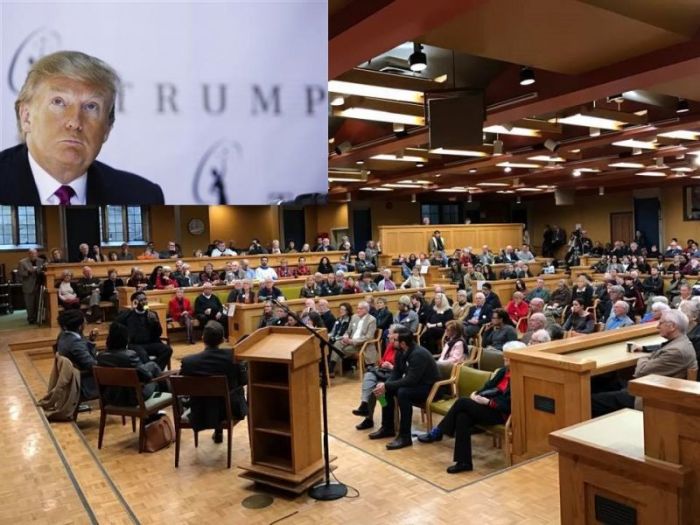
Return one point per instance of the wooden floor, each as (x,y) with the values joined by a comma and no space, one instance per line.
(53,473)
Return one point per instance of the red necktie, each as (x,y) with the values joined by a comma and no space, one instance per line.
(64,194)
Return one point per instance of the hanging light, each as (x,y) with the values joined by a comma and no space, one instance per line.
(682,106)
(527,76)
(418,61)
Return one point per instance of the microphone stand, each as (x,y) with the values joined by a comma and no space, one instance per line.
(325,491)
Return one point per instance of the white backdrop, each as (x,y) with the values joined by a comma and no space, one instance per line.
(170,56)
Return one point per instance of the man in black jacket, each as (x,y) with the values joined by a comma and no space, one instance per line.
(81,351)
(65,112)
(144,331)
(213,361)
(326,315)
(413,376)
(208,307)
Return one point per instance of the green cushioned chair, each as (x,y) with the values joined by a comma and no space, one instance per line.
(463,381)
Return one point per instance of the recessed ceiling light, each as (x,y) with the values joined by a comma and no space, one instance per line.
(366,90)
(404,158)
(359,162)
(473,170)
(631,143)
(527,76)
(681,134)
(419,164)
(626,165)
(460,152)
(507,169)
(576,173)
(651,174)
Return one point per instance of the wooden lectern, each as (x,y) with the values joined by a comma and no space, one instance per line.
(284,419)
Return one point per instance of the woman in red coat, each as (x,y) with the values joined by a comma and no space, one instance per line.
(517,307)
(180,310)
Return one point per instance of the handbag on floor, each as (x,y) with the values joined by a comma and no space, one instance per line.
(159,434)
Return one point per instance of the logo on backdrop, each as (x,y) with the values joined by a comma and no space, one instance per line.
(39,43)
(217,165)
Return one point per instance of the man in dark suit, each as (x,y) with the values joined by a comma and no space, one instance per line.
(30,272)
(491,299)
(213,361)
(81,351)
(478,315)
(65,112)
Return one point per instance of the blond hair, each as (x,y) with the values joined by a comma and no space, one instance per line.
(75,66)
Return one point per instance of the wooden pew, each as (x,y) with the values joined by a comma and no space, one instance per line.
(414,238)
(504,288)
(550,382)
(246,317)
(54,272)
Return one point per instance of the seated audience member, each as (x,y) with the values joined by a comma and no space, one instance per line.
(507,273)
(67,294)
(149,253)
(208,307)
(370,301)
(580,321)
(118,355)
(654,284)
(456,274)
(619,318)
(478,315)
(537,321)
(614,293)
(539,337)
(154,277)
(183,281)
(525,254)
(460,308)
(383,316)
(685,294)
(340,326)
(309,308)
(326,314)
(302,268)
(539,291)
(165,280)
(420,307)
(490,298)
(583,291)
(144,329)
(454,349)
(137,280)
(88,287)
(325,266)
(309,289)
(362,328)
(229,275)
(78,349)
(671,359)
(556,332)
(436,318)
(634,296)
(406,316)
(246,295)
(343,265)
(268,317)
(374,375)
(256,248)
(362,264)
(284,271)
(500,332)
(222,251)
(561,296)
(124,253)
(517,308)
(108,289)
(180,311)
(84,255)
(413,376)
(349,287)
(331,286)
(416,280)
(291,247)
(269,291)
(489,405)
(275,247)
(386,284)
(172,252)
(366,284)
(209,275)
(657,309)
(264,271)
(214,361)
(248,272)
(521,286)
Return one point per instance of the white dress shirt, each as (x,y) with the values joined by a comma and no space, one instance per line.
(263,273)
(47,185)
(359,327)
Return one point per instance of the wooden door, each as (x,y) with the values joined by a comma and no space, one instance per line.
(622,226)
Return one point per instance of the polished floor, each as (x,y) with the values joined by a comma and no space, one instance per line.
(53,473)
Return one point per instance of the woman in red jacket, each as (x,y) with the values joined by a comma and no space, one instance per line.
(517,308)
(180,310)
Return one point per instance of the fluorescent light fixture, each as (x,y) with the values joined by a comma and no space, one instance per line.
(505,191)
(651,174)
(631,143)
(588,170)
(515,130)
(376,188)
(399,186)
(517,165)
(344,179)
(414,182)
(452,190)
(459,152)
(547,158)
(680,134)
(380,116)
(683,169)
(494,184)
(682,106)
(576,173)
(405,158)
(588,121)
(529,189)
(366,90)
(626,165)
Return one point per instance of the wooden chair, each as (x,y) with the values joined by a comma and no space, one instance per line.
(503,437)
(127,378)
(521,326)
(463,381)
(692,374)
(361,354)
(205,386)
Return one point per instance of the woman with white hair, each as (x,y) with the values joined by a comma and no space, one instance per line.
(490,405)
(435,322)
(416,280)
(657,308)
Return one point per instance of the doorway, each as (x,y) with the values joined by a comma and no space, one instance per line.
(621,226)
(646,219)
(82,226)
(294,227)
(361,228)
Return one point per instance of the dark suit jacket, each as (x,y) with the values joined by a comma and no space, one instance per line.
(121,396)
(105,184)
(81,353)
(214,362)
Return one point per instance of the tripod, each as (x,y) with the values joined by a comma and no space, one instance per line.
(325,491)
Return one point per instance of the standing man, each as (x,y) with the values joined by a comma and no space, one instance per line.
(411,380)
(437,243)
(30,269)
